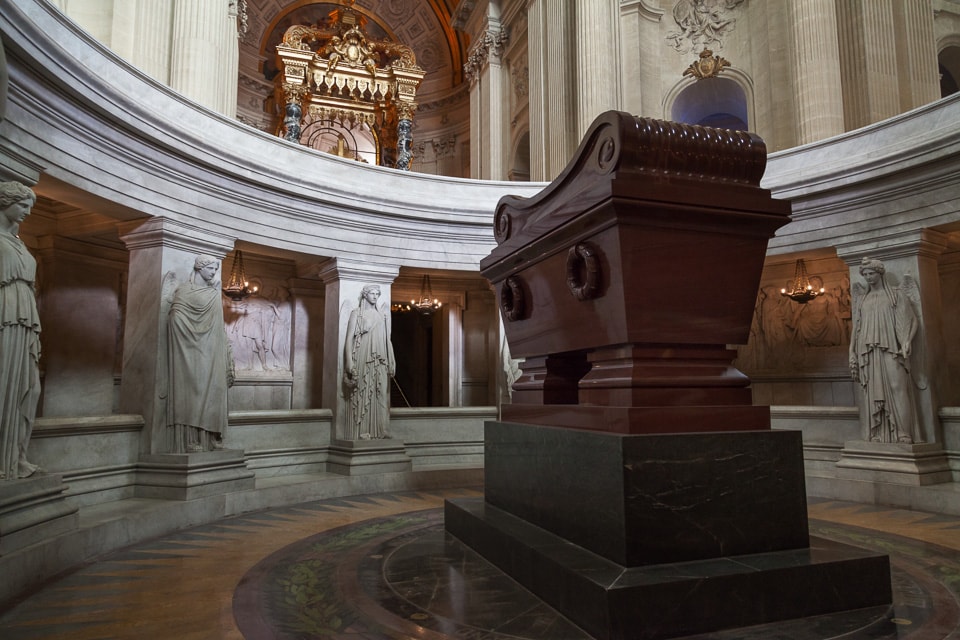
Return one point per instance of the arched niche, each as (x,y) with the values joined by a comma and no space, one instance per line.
(724,102)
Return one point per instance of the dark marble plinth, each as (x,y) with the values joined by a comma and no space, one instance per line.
(639,420)
(660,535)
(651,499)
(669,600)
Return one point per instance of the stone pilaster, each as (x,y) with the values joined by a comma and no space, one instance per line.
(487,76)
(818,91)
(343,281)
(640,31)
(307,296)
(157,246)
(916,255)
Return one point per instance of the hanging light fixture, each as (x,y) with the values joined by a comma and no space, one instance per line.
(237,287)
(801,290)
(426,304)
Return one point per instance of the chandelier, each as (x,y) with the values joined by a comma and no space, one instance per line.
(801,290)
(425,304)
(237,287)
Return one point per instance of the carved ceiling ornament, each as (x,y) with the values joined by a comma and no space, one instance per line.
(707,66)
(702,23)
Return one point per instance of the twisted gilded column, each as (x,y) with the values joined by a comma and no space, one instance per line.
(293,110)
(405,135)
(818,92)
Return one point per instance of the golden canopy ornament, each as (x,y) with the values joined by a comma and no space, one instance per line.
(334,79)
(708,66)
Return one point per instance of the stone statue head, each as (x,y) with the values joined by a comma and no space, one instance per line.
(12,192)
(206,267)
(871,263)
(370,293)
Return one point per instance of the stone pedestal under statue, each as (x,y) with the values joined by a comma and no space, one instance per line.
(632,485)
(186,476)
(33,509)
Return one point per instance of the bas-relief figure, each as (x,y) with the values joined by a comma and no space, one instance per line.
(368,365)
(818,323)
(785,335)
(19,335)
(200,361)
(259,331)
(702,23)
(885,327)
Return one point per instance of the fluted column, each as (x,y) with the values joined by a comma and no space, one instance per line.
(199,53)
(535,97)
(151,47)
(597,60)
(868,62)
(553,129)
(819,95)
(919,72)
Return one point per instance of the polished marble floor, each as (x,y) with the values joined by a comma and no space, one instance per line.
(381,567)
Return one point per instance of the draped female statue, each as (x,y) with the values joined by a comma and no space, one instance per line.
(885,323)
(19,335)
(368,364)
(201,362)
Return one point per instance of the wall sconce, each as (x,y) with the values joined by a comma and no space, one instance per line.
(237,287)
(801,290)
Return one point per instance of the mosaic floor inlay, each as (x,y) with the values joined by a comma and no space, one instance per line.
(382,567)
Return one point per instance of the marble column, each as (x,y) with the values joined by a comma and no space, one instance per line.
(553,129)
(818,91)
(343,281)
(157,247)
(597,60)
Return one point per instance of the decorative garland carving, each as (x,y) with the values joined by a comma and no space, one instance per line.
(512,299)
(583,272)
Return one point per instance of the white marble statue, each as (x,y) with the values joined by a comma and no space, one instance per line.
(19,335)
(200,361)
(885,325)
(368,365)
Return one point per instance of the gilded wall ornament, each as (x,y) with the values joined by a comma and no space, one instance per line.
(708,66)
